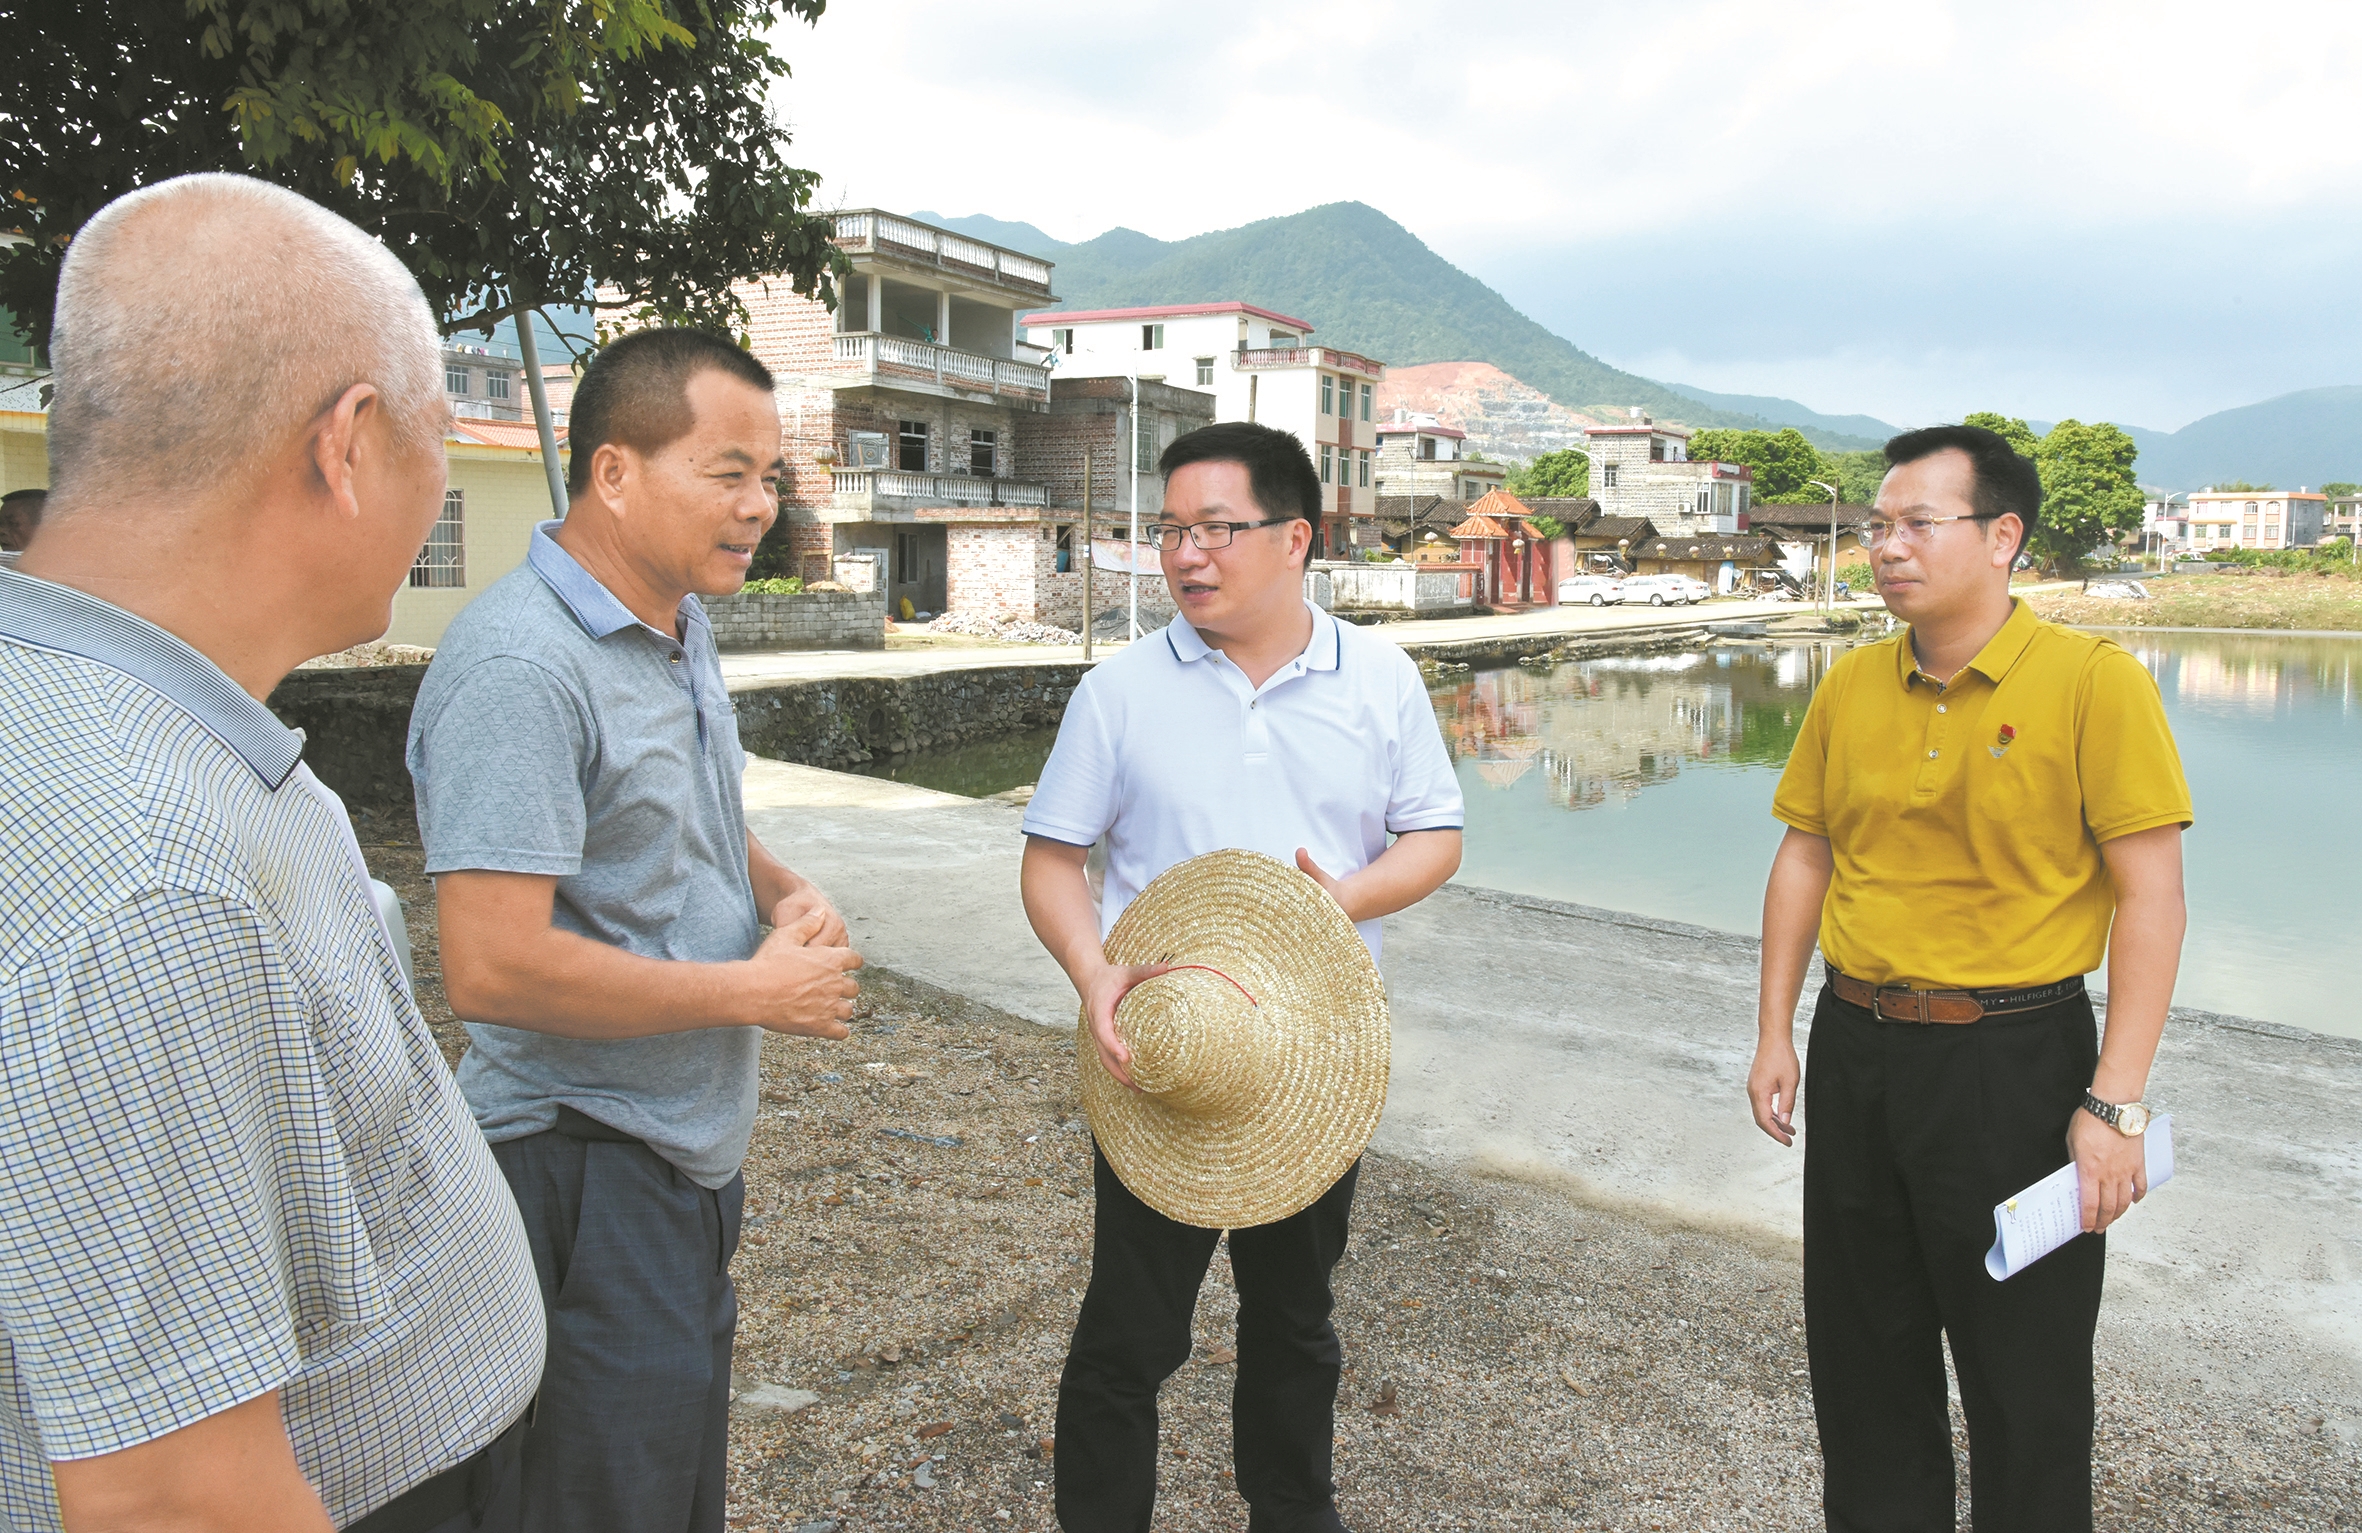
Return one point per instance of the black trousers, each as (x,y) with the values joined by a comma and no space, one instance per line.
(1134,1330)
(1912,1134)
(633,1430)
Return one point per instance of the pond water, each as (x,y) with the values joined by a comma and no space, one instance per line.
(1644,783)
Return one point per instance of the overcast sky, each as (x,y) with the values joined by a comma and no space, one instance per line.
(2137,212)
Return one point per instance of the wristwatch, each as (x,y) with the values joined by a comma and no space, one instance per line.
(2131,1119)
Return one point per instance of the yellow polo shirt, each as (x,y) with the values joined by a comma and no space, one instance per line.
(1966,819)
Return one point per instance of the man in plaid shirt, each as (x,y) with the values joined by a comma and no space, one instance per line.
(259,1270)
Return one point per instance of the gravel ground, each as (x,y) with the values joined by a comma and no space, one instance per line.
(917,1240)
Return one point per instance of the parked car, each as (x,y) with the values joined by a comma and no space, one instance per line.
(1665,590)
(1594,590)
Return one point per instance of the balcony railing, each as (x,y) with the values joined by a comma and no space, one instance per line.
(1307,356)
(865,486)
(885,234)
(886,358)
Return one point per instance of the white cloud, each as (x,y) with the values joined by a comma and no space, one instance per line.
(1879,128)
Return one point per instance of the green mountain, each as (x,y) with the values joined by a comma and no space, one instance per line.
(1862,431)
(2310,438)
(1366,284)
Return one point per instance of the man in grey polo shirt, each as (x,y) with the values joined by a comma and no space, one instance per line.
(259,1270)
(602,903)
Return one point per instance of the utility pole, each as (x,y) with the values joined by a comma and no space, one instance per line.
(1088,559)
(1132,559)
(539,391)
(1832,489)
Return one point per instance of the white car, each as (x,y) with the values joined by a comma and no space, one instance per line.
(1594,590)
(1665,590)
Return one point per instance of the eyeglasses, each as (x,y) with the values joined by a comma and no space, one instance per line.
(1913,530)
(1167,535)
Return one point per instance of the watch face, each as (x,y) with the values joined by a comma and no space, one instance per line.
(2132,1117)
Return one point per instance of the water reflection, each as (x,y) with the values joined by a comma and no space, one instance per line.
(1602,731)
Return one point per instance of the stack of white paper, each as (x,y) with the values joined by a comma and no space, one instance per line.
(2050,1213)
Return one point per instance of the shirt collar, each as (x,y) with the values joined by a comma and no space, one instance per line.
(597,609)
(1993,661)
(49,616)
(1322,652)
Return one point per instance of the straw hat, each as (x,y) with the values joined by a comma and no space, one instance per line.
(1262,1065)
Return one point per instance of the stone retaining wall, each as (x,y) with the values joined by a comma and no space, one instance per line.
(845,721)
(809,620)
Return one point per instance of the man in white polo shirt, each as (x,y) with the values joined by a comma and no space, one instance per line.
(1254,721)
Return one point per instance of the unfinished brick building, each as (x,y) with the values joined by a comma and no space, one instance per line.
(921,427)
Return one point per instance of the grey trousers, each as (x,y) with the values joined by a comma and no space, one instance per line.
(634,1260)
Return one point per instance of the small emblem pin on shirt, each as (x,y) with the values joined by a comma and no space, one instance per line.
(2007,735)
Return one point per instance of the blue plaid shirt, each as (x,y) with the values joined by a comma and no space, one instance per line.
(231,1159)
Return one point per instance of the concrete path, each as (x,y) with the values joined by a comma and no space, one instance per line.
(757,668)
(1610,1052)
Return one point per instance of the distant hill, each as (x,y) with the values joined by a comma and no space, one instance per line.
(1864,431)
(1366,284)
(2310,438)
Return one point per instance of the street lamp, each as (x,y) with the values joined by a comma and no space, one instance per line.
(2164,506)
(1832,489)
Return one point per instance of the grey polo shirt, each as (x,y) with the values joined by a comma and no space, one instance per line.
(231,1158)
(556,733)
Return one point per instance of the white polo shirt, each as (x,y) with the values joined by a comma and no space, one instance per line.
(1167,752)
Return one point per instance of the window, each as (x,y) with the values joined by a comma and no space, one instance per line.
(1327,461)
(1367,393)
(1365,471)
(980,446)
(1427,449)
(1062,339)
(454,379)
(1607,476)
(496,385)
(1152,337)
(442,564)
(913,457)
(1328,395)
(1205,371)
(1144,441)
(906,559)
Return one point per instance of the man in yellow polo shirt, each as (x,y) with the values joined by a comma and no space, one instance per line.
(1974,808)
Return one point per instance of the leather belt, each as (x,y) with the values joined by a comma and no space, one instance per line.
(467,1486)
(1900,1003)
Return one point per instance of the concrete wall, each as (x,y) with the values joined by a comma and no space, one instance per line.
(809,620)
(1403,590)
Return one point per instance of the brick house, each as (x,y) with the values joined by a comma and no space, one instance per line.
(1258,367)
(1642,469)
(910,396)
(1419,455)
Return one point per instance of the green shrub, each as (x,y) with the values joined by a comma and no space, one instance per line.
(1545,527)
(1377,556)
(1856,575)
(791,585)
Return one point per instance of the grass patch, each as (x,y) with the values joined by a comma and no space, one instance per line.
(2321,598)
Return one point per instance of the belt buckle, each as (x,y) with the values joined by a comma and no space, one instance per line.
(1918,1006)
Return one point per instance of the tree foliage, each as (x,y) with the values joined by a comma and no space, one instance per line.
(1553,475)
(2089,495)
(1784,461)
(1857,475)
(2339,489)
(510,152)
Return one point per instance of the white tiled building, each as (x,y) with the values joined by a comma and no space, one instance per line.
(2256,519)
(1420,455)
(1259,366)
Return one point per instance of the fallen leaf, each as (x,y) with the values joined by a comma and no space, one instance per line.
(1033,1181)
(834,1200)
(1180,1453)
(1413,1304)
(1221,1355)
(1386,1403)
(1048,1445)
(934,1429)
(1575,1384)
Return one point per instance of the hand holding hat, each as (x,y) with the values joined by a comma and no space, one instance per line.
(1260,1050)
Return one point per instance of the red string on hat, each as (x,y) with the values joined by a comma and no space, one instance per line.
(1226,979)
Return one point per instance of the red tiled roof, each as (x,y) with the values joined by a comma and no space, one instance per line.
(1233,306)
(502,433)
(1499,502)
(1479,528)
